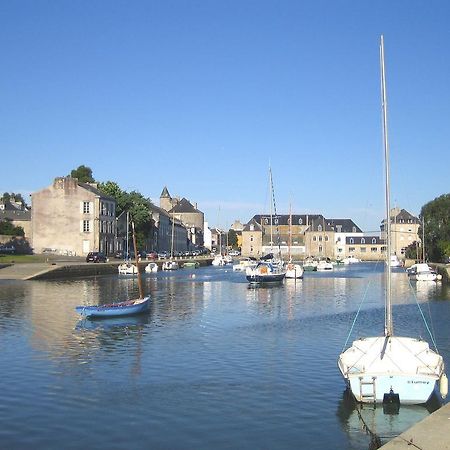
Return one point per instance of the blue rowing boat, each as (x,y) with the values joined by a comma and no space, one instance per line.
(127,308)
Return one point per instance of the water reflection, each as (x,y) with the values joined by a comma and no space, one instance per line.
(370,425)
(222,363)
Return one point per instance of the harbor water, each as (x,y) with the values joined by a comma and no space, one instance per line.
(215,364)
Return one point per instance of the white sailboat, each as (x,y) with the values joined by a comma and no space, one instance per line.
(269,269)
(293,270)
(127,267)
(391,368)
(171,264)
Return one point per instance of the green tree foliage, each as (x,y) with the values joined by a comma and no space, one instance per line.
(83,173)
(232,238)
(7,228)
(136,204)
(436,216)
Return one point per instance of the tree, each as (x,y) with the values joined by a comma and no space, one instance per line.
(83,173)
(8,229)
(136,204)
(436,217)
(232,238)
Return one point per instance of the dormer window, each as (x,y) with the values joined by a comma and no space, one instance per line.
(354,229)
(363,241)
(319,228)
(374,241)
(300,221)
(352,241)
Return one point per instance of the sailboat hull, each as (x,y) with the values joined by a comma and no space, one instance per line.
(373,367)
(127,308)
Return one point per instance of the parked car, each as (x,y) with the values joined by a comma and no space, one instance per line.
(95,257)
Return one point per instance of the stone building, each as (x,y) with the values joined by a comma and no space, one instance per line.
(404,230)
(307,235)
(366,248)
(70,217)
(186,213)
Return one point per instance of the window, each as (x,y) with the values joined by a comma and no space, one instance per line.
(86,208)
(338,228)
(351,249)
(374,241)
(300,221)
(363,241)
(86,226)
(373,249)
(320,238)
(319,228)
(320,249)
(326,238)
(314,238)
(354,229)
(352,241)
(251,238)
(363,249)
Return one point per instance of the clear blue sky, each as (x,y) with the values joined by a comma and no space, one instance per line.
(201,96)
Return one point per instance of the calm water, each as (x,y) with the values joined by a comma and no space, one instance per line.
(215,364)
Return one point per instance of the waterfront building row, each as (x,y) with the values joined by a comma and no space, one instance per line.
(314,235)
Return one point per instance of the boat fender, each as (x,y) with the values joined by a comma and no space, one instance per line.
(439,277)
(443,385)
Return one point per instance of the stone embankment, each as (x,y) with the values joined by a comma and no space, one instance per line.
(64,269)
(432,433)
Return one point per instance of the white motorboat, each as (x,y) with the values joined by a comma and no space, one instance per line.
(324,265)
(351,260)
(310,265)
(395,262)
(423,272)
(127,268)
(151,267)
(387,367)
(170,265)
(243,264)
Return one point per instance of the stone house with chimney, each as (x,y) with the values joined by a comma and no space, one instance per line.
(74,218)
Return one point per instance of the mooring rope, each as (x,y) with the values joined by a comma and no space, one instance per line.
(423,316)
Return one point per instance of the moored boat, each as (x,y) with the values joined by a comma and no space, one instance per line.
(265,272)
(390,368)
(124,308)
(151,267)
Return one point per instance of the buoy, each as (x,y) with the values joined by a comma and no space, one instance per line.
(443,385)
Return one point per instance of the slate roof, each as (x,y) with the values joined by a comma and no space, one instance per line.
(313,220)
(256,224)
(15,215)
(95,191)
(184,206)
(361,240)
(165,193)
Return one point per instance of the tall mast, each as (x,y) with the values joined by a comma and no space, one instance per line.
(388,327)
(271,210)
(141,291)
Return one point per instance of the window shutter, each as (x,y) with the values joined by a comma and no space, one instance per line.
(81,207)
(81,221)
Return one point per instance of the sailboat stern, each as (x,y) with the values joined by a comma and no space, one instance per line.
(406,367)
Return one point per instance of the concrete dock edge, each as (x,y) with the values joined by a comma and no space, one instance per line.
(432,433)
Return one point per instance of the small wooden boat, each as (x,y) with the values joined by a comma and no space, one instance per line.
(125,308)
